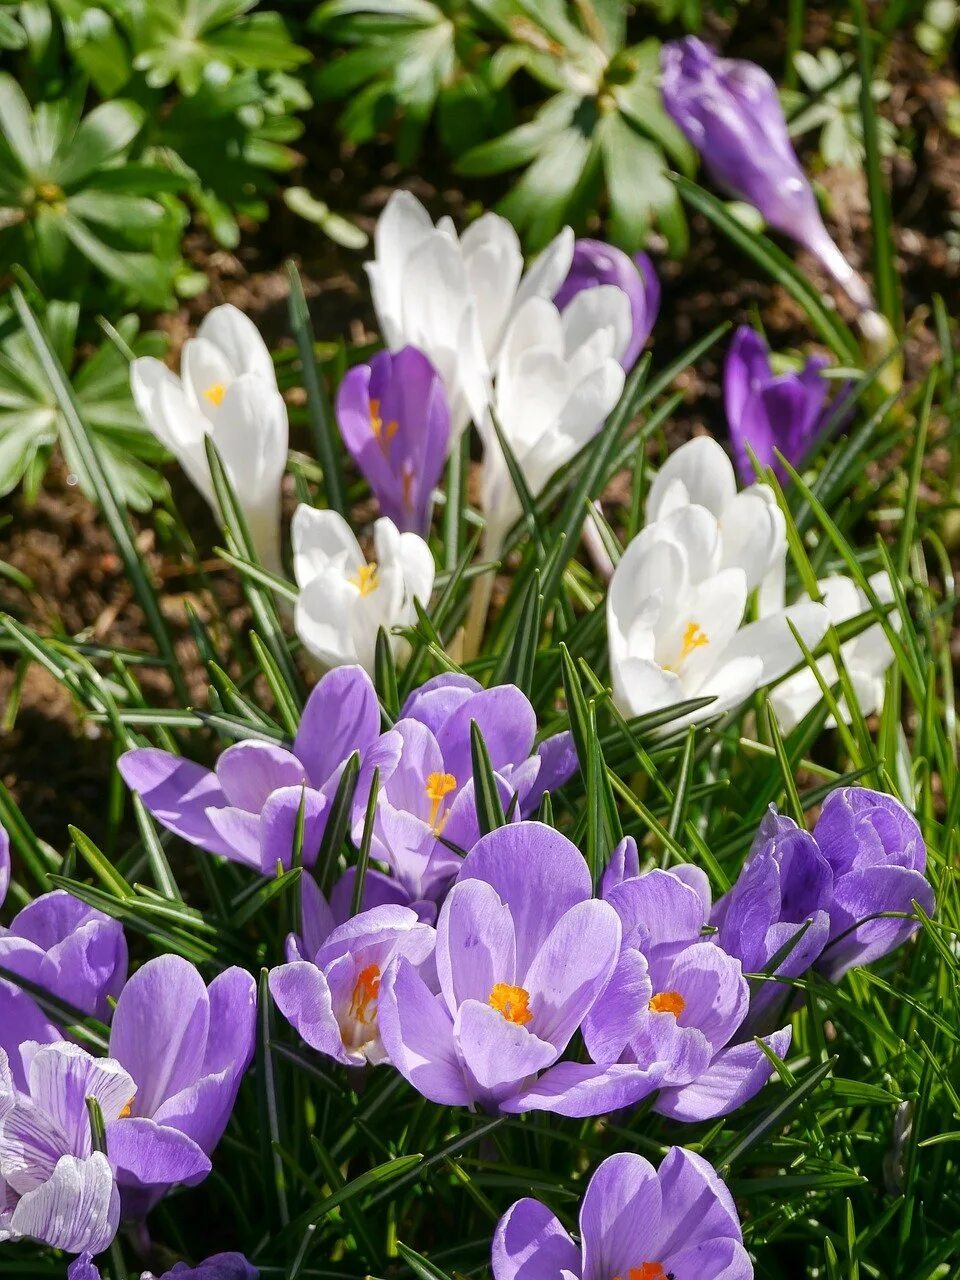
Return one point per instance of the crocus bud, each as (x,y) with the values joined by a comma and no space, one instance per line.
(395,421)
(769,413)
(730,111)
(596,264)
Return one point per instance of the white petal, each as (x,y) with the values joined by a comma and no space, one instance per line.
(206,372)
(323,618)
(494,262)
(705,471)
(400,228)
(548,271)
(603,307)
(640,687)
(78,1209)
(323,542)
(62,1075)
(418,568)
(239,339)
(754,535)
(772,641)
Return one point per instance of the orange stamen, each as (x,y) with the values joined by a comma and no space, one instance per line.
(512,1002)
(439,786)
(668,1002)
(365,991)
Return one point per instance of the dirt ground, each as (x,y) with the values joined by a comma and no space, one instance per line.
(55,766)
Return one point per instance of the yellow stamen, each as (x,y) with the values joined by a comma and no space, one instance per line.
(668,1002)
(365,579)
(215,393)
(127,1111)
(439,786)
(693,638)
(365,992)
(383,434)
(512,1002)
(406,481)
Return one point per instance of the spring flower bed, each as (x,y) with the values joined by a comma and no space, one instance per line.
(545,886)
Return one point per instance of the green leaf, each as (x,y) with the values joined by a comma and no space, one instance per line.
(490,813)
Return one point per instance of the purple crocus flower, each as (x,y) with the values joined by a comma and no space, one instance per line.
(54,1188)
(677,1000)
(77,954)
(331,999)
(677,1222)
(395,421)
(186,1047)
(222,1266)
(878,858)
(730,111)
(767,413)
(247,808)
(523,951)
(599,265)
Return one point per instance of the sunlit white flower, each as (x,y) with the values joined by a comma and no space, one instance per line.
(675,614)
(866,657)
(453,297)
(752,529)
(344,598)
(558,377)
(227,389)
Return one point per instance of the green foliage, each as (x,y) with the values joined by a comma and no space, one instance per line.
(832,105)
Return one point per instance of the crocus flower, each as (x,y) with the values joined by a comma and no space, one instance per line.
(600,265)
(523,951)
(222,1266)
(878,858)
(72,951)
(675,621)
(769,413)
(452,297)
(344,598)
(186,1047)
(677,1222)
(731,112)
(395,421)
(779,906)
(54,1188)
(677,999)
(427,800)
(331,1000)
(247,808)
(227,389)
(866,657)
(557,378)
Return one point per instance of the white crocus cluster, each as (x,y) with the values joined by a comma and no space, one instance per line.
(344,598)
(678,599)
(227,389)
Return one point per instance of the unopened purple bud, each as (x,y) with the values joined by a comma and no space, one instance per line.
(596,263)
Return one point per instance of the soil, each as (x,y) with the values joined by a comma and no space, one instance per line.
(56,766)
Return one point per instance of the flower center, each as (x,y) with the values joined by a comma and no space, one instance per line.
(215,393)
(383,434)
(512,1002)
(694,637)
(647,1271)
(439,786)
(366,579)
(365,991)
(668,1002)
(49,193)
(127,1111)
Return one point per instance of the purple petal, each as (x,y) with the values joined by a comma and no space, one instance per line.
(342,715)
(417,1032)
(507,722)
(531,1244)
(82,1268)
(78,1209)
(4,863)
(302,995)
(621,1010)
(733,1078)
(864,893)
(177,792)
(62,1076)
(21,1020)
(436,701)
(248,772)
(378,891)
(697,1207)
(622,1201)
(711,1260)
(222,1266)
(278,827)
(659,912)
(147,1155)
(239,834)
(624,864)
(558,764)
(476,947)
(579,1089)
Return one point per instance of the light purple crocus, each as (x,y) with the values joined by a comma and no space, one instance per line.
(222,1266)
(395,421)
(247,808)
(523,951)
(58,943)
(677,1222)
(769,413)
(186,1047)
(676,1000)
(331,1000)
(876,852)
(779,906)
(599,265)
(54,1187)
(730,111)
(427,798)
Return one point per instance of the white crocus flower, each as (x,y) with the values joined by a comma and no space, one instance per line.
(453,297)
(866,657)
(752,528)
(344,598)
(674,616)
(227,389)
(558,377)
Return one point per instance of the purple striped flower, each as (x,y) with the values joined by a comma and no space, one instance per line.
(523,951)
(599,265)
(677,1222)
(768,412)
(676,1000)
(395,421)
(222,1266)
